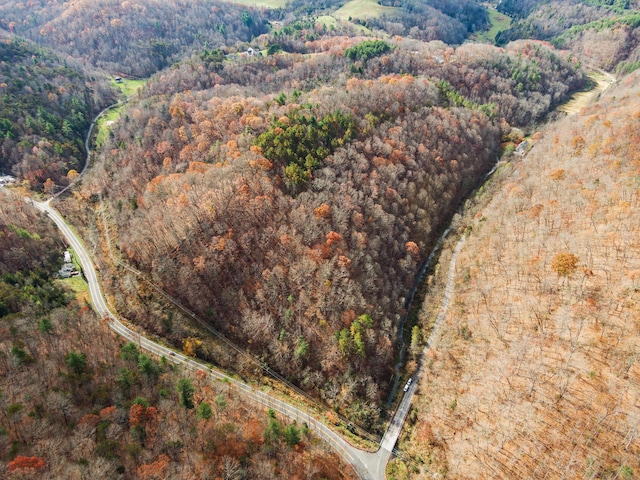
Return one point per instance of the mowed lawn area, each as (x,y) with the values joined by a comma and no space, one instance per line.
(361,9)
(499,22)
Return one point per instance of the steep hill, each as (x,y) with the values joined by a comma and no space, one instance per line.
(295,223)
(47,102)
(604,34)
(131,37)
(535,374)
(76,401)
(522,81)
(446,20)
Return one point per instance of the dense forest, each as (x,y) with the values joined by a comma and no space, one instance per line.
(606,34)
(283,173)
(138,39)
(76,401)
(446,20)
(130,37)
(294,220)
(523,81)
(46,105)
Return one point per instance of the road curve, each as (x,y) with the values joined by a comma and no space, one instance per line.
(365,464)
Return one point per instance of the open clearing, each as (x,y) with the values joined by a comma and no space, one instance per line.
(129,86)
(499,22)
(103,125)
(327,20)
(580,100)
(361,9)
(79,287)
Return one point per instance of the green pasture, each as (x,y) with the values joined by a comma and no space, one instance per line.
(499,22)
(129,87)
(327,20)
(104,123)
(361,9)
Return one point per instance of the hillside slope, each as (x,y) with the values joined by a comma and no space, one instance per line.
(47,102)
(78,402)
(131,37)
(295,222)
(604,34)
(535,374)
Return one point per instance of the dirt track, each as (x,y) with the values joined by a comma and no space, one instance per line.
(582,99)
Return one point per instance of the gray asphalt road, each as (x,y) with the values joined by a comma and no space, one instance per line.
(367,465)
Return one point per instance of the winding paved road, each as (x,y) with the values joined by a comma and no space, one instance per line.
(368,466)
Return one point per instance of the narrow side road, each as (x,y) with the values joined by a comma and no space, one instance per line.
(395,426)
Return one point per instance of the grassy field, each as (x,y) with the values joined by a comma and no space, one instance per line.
(361,9)
(499,22)
(78,286)
(580,100)
(263,3)
(327,20)
(102,127)
(128,86)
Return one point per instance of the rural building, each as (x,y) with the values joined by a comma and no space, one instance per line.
(522,147)
(67,270)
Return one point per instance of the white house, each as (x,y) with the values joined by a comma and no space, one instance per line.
(67,256)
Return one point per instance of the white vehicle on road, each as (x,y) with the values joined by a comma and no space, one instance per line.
(406,387)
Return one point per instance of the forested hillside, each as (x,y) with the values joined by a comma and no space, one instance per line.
(446,20)
(140,38)
(77,402)
(535,374)
(522,81)
(605,34)
(295,222)
(47,103)
(284,173)
(131,37)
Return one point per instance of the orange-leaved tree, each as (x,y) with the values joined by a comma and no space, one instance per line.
(564,264)
(21,463)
